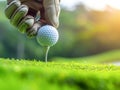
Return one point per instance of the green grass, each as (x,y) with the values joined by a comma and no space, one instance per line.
(34,75)
(109,56)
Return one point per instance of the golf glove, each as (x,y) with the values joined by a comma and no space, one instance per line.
(29,15)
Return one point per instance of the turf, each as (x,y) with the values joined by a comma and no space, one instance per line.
(106,57)
(34,75)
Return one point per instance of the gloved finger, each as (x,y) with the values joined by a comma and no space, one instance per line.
(52,11)
(11,8)
(26,23)
(33,30)
(19,14)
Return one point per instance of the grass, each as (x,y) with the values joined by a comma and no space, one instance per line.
(34,75)
(109,56)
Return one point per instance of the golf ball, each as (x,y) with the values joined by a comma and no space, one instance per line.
(47,35)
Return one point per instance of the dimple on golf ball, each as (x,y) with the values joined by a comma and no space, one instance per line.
(47,35)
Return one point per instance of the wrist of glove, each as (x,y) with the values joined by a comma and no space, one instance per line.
(22,17)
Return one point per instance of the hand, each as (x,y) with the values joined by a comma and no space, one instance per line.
(22,15)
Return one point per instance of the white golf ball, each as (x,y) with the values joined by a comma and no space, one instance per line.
(47,35)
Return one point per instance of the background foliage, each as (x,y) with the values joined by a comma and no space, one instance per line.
(83,32)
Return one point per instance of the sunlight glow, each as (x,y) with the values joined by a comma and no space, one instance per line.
(114,3)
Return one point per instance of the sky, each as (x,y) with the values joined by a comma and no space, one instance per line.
(93,4)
